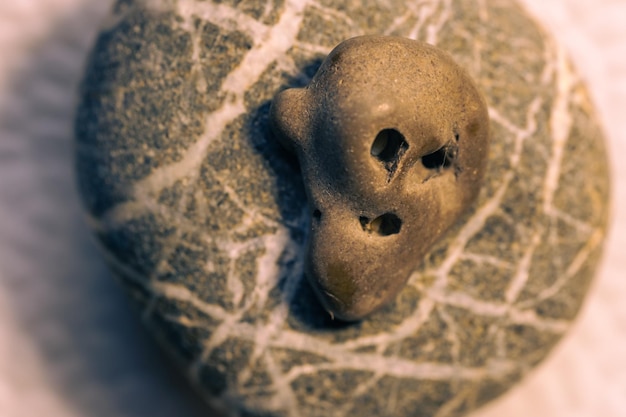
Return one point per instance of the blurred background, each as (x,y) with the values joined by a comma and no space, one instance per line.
(71,344)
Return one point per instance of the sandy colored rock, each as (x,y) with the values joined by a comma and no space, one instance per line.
(392,138)
(203,215)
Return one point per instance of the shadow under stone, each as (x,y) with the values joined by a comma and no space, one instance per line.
(306,312)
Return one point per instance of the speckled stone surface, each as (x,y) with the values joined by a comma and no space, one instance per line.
(203,216)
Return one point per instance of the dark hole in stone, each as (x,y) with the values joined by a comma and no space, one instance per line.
(317,215)
(384,225)
(388,148)
(441,158)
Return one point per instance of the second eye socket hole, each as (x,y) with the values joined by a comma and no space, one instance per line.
(440,159)
(388,147)
(386,224)
(443,157)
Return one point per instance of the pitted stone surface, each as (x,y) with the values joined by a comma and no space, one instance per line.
(203,216)
(392,138)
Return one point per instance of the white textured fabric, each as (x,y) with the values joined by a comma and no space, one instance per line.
(71,345)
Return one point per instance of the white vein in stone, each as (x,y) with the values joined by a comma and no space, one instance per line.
(479,258)
(560,125)
(222,15)
(433,29)
(520,278)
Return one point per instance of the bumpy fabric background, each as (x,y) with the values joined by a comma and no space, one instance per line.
(70,342)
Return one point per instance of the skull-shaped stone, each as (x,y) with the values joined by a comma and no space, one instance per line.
(392,138)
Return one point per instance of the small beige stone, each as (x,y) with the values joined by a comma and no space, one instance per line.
(392,136)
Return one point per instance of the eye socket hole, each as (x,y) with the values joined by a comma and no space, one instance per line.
(388,148)
(384,225)
(441,158)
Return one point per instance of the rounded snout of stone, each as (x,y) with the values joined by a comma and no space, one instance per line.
(392,137)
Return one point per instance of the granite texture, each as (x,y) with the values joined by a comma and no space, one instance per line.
(203,216)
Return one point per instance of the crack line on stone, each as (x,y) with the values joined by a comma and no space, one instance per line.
(433,29)
(500,343)
(531,319)
(497,310)
(267,278)
(402,368)
(285,396)
(361,389)
(185,321)
(517,284)
(406,328)
(331,14)
(219,335)
(581,226)
(399,21)
(225,17)
(452,335)
(143,191)
(466,302)
(594,242)
(560,126)
(479,258)
(451,407)
(276,42)
(423,12)
(181,293)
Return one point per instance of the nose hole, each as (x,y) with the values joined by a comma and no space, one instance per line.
(388,147)
(441,158)
(384,225)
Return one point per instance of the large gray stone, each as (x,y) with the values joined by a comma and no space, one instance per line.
(203,216)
